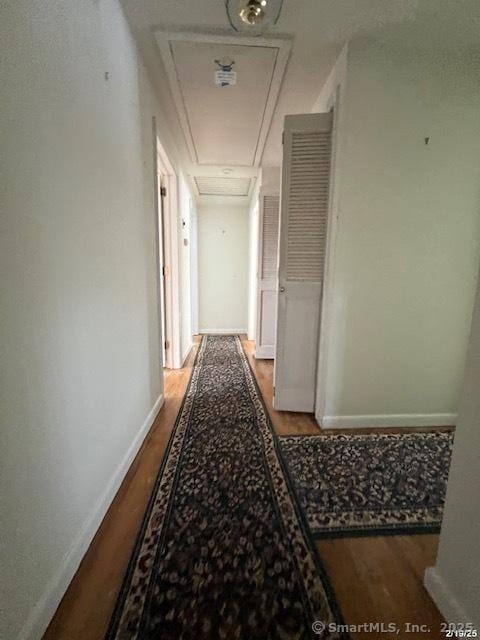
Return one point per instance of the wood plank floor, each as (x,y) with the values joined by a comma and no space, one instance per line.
(378,579)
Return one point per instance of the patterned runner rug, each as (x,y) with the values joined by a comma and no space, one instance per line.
(372,484)
(223,552)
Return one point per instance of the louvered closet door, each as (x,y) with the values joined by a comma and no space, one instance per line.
(267,274)
(302,247)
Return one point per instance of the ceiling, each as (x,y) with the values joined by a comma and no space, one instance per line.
(234,130)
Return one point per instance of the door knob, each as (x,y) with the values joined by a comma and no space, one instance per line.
(282,289)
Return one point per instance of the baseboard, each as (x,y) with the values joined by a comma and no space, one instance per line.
(186,354)
(390,420)
(293,399)
(265,353)
(39,618)
(222,332)
(447,604)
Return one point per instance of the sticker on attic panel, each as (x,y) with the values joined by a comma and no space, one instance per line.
(225,76)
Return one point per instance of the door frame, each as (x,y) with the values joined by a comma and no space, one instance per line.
(166,213)
(326,317)
(260,350)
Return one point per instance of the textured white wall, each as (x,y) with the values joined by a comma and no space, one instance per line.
(407,245)
(454,582)
(336,78)
(81,370)
(223,267)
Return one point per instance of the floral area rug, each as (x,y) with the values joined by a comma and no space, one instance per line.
(223,552)
(370,484)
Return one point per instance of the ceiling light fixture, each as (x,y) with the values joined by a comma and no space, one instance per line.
(253,12)
(253,16)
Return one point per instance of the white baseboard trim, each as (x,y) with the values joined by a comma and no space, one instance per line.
(447,604)
(186,354)
(390,420)
(40,616)
(264,353)
(221,332)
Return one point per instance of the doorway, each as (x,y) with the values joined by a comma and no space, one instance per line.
(161,189)
(166,211)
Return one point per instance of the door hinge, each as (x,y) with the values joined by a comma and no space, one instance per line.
(167,344)
(163,191)
(273,391)
(165,271)
(283,137)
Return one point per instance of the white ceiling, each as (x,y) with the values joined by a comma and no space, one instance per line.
(318,29)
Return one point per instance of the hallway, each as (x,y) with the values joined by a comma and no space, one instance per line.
(368,575)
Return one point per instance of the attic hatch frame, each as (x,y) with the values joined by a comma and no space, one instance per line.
(283,46)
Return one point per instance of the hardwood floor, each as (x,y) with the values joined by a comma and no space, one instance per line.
(377,579)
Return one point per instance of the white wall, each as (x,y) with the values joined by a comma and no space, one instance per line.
(336,78)
(81,370)
(454,582)
(223,268)
(407,243)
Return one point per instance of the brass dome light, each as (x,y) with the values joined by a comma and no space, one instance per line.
(253,16)
(253,12)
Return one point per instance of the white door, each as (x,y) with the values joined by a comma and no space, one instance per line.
(267,274)
(302,245)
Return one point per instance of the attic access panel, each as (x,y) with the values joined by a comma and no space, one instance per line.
(211,186)
(224,125)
